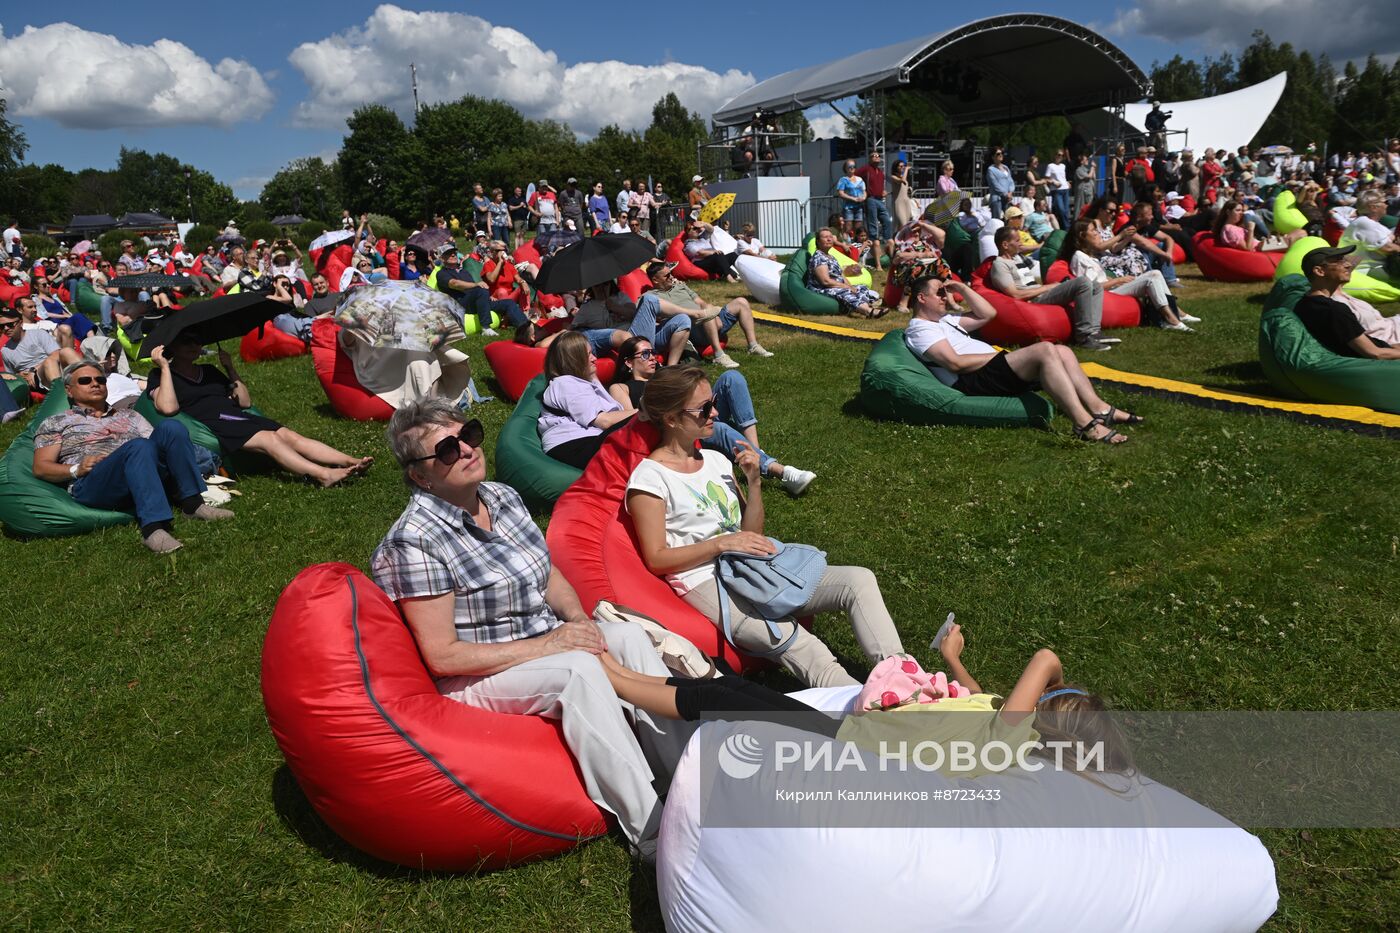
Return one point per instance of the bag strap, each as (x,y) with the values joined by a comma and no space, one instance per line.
(728,631)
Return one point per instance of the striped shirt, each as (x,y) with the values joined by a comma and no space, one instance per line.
(498,577)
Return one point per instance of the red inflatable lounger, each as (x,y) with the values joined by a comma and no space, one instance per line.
(396,769)
(271,344)
(1118,310)
(685,269)
(1018,323)
(591,542)
(1232,265)
(516,364)
(337,375)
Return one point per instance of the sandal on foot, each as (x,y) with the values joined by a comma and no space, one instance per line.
(1083,433)
(1108,418)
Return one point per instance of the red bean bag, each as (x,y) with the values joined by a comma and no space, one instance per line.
(1232,265)
(1118,310)
(527,252)
(8,294)
(1018,322)
(685,269)
(516,364)
(634,283)
(1178,254)
(266,342)
(333,262)
(392,266)
(592,543)
(396,769)
(337,375)
(1331,230)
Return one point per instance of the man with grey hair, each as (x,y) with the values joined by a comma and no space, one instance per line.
(501,629)
(111,458)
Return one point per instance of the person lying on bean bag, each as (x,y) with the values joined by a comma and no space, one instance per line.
(715,323)
(111,458)
(1086,252)
(577,413)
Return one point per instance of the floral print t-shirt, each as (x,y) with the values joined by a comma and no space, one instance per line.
(699,506)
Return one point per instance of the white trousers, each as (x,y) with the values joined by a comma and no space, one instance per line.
(1150,285)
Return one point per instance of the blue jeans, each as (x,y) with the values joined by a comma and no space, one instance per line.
(137,473)
(643,325)
(108,301)
(1165,266)
(997,203)
(726,321)
(1259,224)
(1059,203)
(7,399)
(734,411)
(877,219)
(295,325)
(500,232)
(478,301)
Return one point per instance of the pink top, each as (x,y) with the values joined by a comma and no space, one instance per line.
(1232,235)
(946,184)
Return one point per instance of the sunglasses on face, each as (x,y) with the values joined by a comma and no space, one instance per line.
(89,380)
(704,411)
(449,450)
(644,355)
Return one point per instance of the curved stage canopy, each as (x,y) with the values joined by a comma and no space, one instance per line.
(1015,66)
(1225,121)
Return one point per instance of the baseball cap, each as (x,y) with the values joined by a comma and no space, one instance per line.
(1316,257)
(698,178)
(1173,195)
(1011,212)
(445,250)
(572,180)
(482,235)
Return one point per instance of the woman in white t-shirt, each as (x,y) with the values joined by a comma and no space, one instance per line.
(1149,288)
(685,506)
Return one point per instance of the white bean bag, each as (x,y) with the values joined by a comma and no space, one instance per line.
(722,241)
(962,879)
(761,276)
(986,239)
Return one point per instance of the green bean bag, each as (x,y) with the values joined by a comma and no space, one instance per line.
(1300,367)
(956,242)
(793,291)
(199,434)
(89,302)
(19,389)
(31,507)
(521,462)
(1287,217)
(1390,220)
(1050,251)
(895,385)
(1363,286)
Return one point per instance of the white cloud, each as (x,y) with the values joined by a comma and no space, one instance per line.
(91,80)
(828,125)
(459,54)
(1342,30)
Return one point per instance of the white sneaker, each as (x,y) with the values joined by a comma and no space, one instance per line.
(796,481)
(757,350)
(1182,328)
(1187,318)
(725,360)
(1102,339)
(488,332)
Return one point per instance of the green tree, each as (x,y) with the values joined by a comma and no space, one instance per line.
(1366,105)
(1178,79)
(370,164)
(35,194)
(161,183)
(94,192)
(1218,76)
(669,144)
(300,186)
(13,144)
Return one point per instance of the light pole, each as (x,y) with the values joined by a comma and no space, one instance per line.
(189,192)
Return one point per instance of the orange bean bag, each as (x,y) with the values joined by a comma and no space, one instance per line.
(396,769)
(591,540)
(1233,265)
(685,269)
(1018,322)
(266,342)
(1118,310)
(337,375)
(516,364)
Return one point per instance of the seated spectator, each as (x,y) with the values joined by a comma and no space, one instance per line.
(750,245)
(713,323)
(1015,218)
(1374,241)
(674,334)
(824,275)
(280,261)
(736,419)
(918,252)
(946,181)
(1080,295)
(1117,253)
(218,399)
(1152,240)
(577,413)
(35,353)
(359,272)
(54,311)
(111,458)
(123,389)
(685,506)
(499,271)
(1149,288)
(940,335)
(128,261)
(634,225)
(1330,319)
(236,268)
(1041,221)
(701,251)
(474,295)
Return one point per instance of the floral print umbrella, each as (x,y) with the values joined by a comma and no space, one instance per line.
(401,316)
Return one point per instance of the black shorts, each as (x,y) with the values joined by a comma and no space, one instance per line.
(995,378)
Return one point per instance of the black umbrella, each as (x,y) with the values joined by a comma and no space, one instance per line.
(221,318)
(288,220)
(430,240)
(592,261)
(147,280)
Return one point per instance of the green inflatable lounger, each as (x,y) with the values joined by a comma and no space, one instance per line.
(896,386)
(33,508)
(1300,367)
(199,434)
(521,462)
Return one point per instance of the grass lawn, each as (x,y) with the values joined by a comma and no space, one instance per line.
(1217,561)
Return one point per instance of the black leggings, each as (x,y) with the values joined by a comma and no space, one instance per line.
(728,696)
(577,452)
(720,264)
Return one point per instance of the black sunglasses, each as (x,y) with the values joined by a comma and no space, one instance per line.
(449,450)
(89,380)
(704,411)
(644,355)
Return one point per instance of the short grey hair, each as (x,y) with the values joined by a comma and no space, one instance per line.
(73,367)
(1369,199)
(407,425)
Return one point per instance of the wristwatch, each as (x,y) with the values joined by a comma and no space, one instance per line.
(73,471)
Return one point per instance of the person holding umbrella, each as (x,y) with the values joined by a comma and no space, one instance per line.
(218,399)
(473,294)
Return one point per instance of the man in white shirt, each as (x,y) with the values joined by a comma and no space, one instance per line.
(14,243)
(235,268)
(1080,296)
(941,337)
(1374,241)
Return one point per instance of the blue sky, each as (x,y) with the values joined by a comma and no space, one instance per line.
(80,92)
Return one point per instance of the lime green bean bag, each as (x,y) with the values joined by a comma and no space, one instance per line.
(1300,367)
(521,462)
(1287,217)
(31,507)
(860,275)
(793,291)
(1363,286)
(896,386)
(19,389)
(1050,251)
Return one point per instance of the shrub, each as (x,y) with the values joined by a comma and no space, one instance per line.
(260,230)
(311,230)
(200,236)
(387,227)
(39,245)
(111,243)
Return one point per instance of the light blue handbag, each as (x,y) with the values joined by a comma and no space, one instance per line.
(775,586)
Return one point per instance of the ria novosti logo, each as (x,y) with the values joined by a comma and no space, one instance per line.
(740,756)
